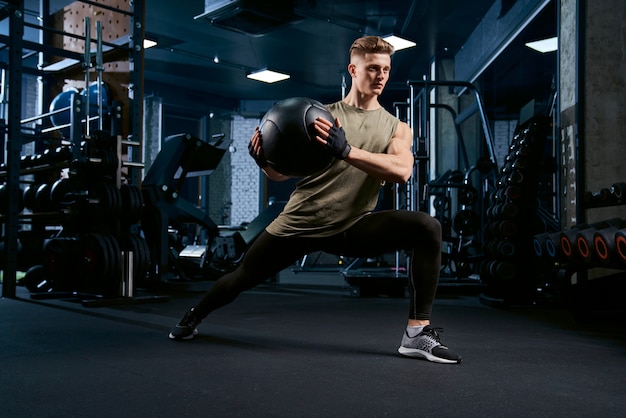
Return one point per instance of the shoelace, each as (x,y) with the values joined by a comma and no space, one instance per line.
(434,333)
(188,319)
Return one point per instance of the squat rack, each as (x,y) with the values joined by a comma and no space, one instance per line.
(420,107)
(13,137)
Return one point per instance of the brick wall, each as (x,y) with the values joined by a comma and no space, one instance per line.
(503,132)
(246,176)
(218,203)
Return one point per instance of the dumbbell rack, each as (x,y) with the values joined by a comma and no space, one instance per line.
(585,246)
(529,258)
(513,219)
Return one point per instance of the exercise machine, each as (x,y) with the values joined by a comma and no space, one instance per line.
(184,156)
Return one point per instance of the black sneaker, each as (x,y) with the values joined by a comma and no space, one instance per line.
(427,345)
(187,327)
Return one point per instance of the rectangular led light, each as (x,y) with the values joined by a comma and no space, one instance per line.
(268,76)
(545,45)
(399,43)
(148,43)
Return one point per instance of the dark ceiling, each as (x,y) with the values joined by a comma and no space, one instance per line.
(521,74)
(313,49)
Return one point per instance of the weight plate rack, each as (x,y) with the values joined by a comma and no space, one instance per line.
(37,203)
(93,221)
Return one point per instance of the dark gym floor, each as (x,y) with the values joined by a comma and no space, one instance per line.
(303,347)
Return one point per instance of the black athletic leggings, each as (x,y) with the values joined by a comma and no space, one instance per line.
(375,234)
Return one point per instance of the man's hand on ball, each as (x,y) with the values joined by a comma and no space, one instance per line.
(255,148)
(332,137)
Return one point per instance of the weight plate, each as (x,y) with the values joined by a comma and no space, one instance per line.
(141,255)
(116,202)
(145,259)
(468,195)
(96,263)
(35,280)
(59,190)
(104,201)
(132,203)
(112,283)
(59,261)
(466,222)
(54,258)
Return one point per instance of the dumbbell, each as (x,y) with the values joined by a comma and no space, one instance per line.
(29,196)
(58,191)
(567,240)
(620,244)
(4,198)
(618,190)
(522,151)
(512,192)
(585,238)
(502,269)
(605,246)
(504,211)
(539,244)
(501,248)
(603,197)
(503,229)
(42,198)
(553,245)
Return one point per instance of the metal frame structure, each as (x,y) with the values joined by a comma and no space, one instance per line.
(13,145)
(420,109)
(13,133)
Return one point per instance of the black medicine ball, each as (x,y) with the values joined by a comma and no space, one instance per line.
(289,137)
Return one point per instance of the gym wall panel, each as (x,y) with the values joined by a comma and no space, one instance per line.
(592,109)
(604,99)
(604,104)
(246,186)
(217,201)
(152,130)
(568,96)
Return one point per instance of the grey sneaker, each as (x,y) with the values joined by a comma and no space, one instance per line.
(187,327)
(427,345)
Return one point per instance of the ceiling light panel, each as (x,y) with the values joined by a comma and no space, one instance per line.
(545,45)
(399,43)
(268,76)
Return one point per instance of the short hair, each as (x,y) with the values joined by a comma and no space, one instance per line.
(370,45)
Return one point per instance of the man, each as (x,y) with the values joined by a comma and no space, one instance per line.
(332,211)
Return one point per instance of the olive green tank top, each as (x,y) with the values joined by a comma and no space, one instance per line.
(330,202)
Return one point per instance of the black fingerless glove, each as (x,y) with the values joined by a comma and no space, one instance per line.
(337,144)
(258,158)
